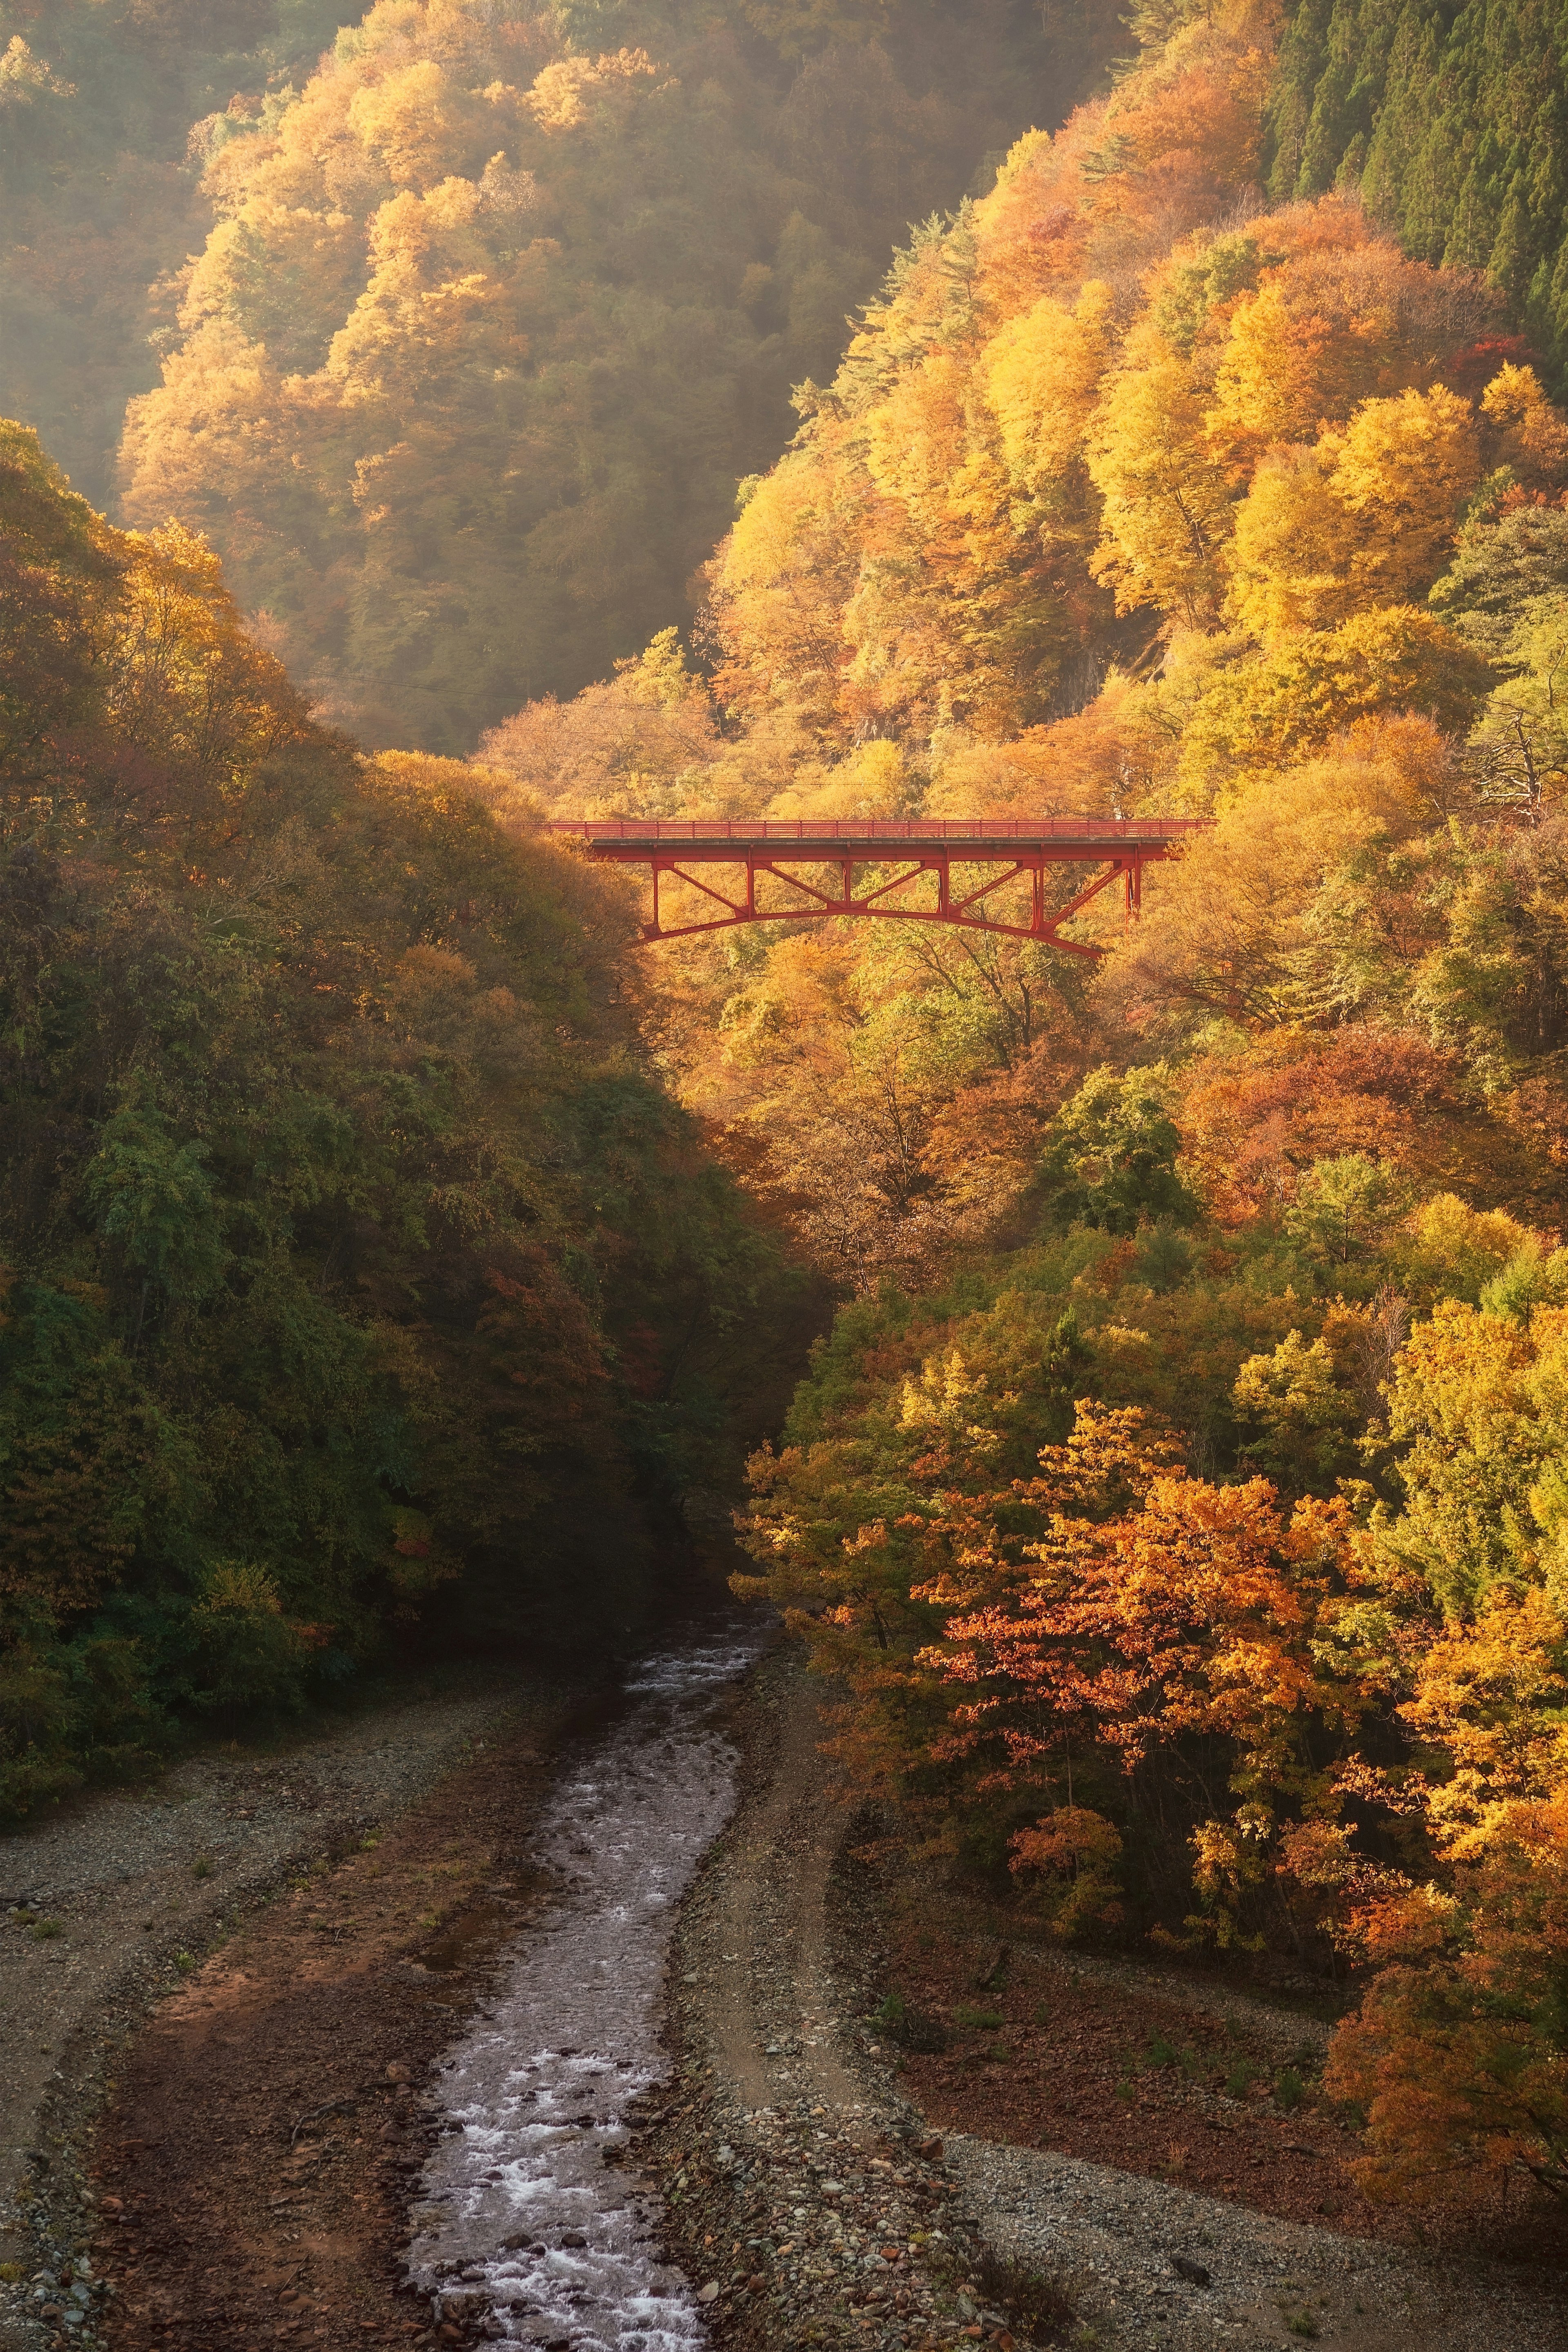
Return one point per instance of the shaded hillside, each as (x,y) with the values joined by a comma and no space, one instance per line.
(362,1285)
(102,196)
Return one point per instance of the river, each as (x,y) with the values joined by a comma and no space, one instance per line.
(520,2217)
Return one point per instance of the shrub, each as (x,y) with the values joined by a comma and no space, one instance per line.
(909,2027)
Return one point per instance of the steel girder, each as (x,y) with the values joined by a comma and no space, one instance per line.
(1017,848)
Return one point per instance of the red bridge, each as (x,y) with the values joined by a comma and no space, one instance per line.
(970,871)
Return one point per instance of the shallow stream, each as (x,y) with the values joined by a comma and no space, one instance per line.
(522,2220)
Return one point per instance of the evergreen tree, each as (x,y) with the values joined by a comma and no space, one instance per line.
(1453,122)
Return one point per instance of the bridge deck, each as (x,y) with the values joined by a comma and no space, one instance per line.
(634,838)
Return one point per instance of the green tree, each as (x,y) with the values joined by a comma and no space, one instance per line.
(1110,1161)
(1304,1416)
(1449,120)
(1344,1211)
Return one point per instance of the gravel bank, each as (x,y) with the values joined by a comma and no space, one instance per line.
(801,2194)
(108,1907)
(813,2202)
(1116,2239)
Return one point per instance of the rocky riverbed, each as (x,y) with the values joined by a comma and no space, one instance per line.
(571,2030)
(110,1905)
(529,2226)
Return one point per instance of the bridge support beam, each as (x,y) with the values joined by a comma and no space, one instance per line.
(965,911)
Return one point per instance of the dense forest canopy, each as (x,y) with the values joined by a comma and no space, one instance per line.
(1450,119)
(361,1285)
(1111,508)
(493,317)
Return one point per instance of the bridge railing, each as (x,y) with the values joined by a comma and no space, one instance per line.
(758,831)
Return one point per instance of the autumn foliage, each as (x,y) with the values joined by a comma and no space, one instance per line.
(1179,1499)
(345,1229)
(499,302)
(1238,1711)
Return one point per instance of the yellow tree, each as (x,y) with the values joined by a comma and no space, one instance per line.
(1042,372)
(780,581)
(1167,515)
(1366,517)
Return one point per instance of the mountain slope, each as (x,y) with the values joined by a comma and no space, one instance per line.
(360,1285)
(493,318)
(1452,122)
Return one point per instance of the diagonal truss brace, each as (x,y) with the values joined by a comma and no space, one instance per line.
(968,912)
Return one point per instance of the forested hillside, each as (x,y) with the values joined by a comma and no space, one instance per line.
(106,107)
(362,1289)
(1450,119)
(1268,510)
(502,302)
(1180,1494)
